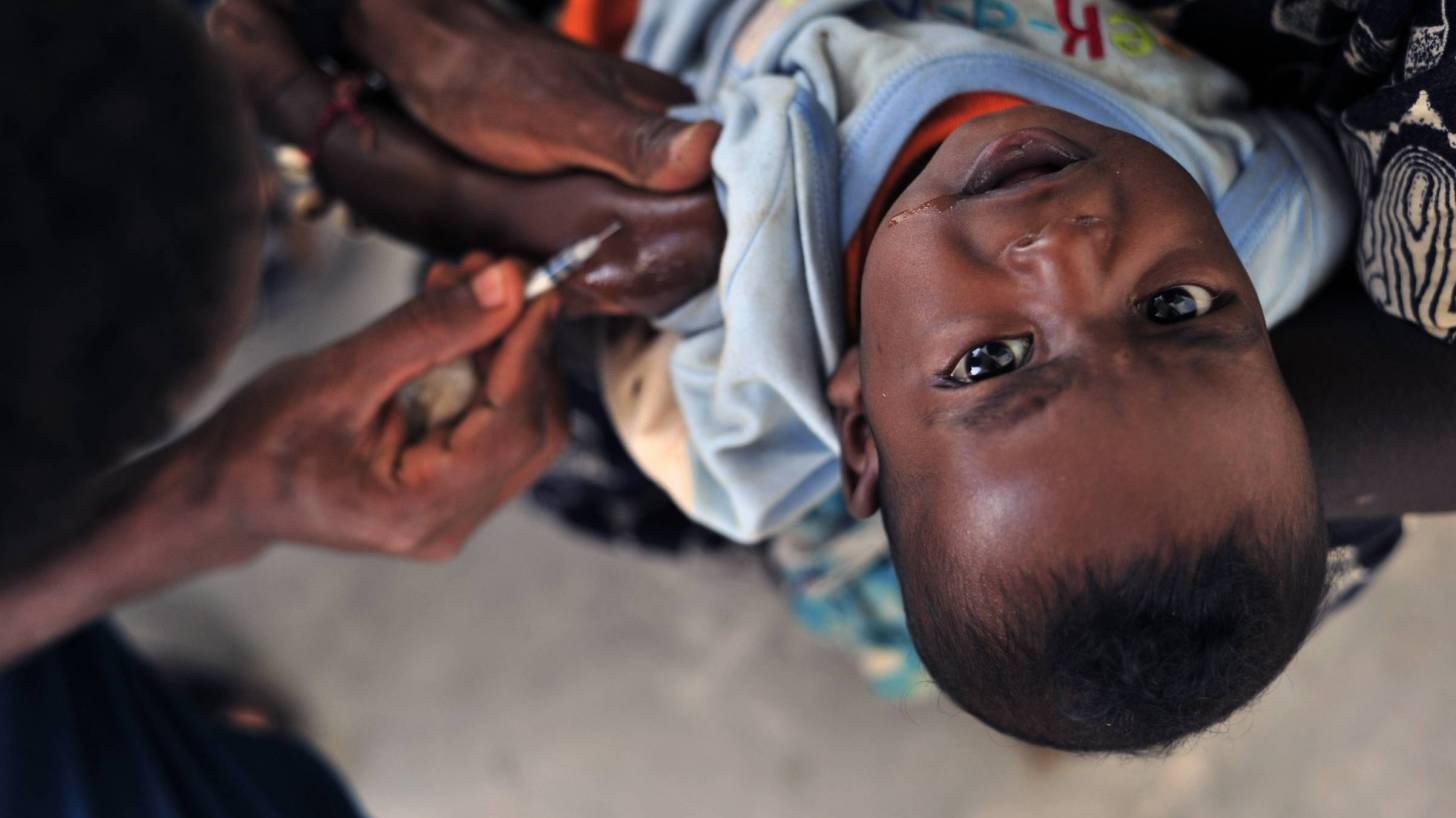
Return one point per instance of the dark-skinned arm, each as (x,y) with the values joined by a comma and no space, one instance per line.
(316,450)
(1377,396)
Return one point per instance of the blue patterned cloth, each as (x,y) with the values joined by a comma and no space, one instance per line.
(842,587)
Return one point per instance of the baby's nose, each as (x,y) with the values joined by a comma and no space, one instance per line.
(1078,246)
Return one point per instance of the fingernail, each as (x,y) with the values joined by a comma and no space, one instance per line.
(489,288)
(683,160)
(684,137)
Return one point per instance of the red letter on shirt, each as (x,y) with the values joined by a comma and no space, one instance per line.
(1091,29)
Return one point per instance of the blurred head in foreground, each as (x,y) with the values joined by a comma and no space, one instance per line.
(130,240)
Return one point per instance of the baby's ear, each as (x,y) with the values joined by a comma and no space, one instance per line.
(859,458)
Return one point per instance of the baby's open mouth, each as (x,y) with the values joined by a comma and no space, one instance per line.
(1021,157)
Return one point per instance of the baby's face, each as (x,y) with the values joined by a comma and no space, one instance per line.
(1061,349)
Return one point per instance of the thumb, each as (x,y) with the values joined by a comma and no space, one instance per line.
(437,326)
(667,155)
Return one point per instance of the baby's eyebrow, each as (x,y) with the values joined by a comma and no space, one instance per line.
(1023,395)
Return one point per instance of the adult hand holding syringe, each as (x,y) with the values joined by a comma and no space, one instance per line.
(443,394)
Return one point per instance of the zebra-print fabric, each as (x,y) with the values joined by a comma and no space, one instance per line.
(1383,74)
(1406,239)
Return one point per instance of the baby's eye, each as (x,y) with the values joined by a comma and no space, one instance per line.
(991,359)
(1178,303)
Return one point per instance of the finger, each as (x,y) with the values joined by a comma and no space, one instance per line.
(448,539)
(644,150)
(435,327)
(481,360)
(492,478)
(524,356)
(649,89)
(521,398)
(659,153)
(422,462)
(688,160)
(389,443)
(649,149)
(444,274)
(515,458)
(501,481)
(476,260)
(587,110)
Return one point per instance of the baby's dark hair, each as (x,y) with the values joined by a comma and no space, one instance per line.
(125,171)
(1122,657)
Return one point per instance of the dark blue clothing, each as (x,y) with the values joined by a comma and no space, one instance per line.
(87,730)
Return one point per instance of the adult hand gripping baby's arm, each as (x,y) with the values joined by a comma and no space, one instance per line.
(406,181)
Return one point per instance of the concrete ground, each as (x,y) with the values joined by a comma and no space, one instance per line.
(542,675)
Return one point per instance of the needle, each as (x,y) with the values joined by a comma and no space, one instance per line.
(444,393)
(561,266)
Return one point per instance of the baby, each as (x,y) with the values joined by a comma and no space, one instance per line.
(1002,271)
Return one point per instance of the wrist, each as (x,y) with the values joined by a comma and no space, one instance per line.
(146,526)
(185,509)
